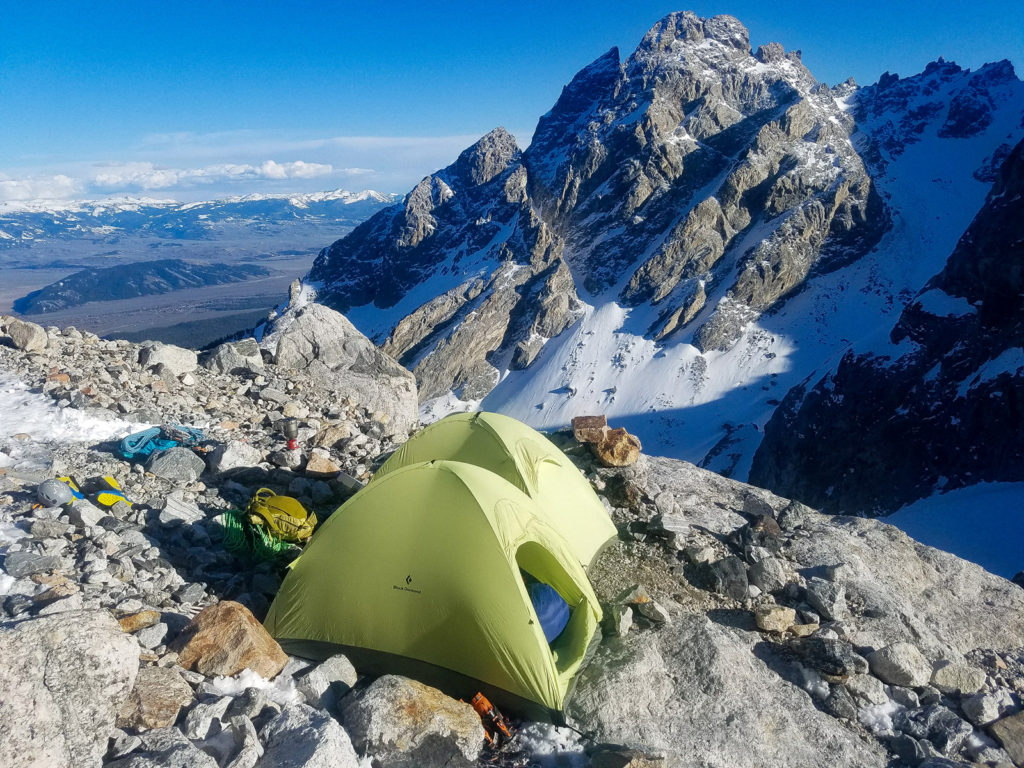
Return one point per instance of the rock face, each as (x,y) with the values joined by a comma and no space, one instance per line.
(918,412)
(226,638)
(713,669)
(325,345)
(64,679)
(404,723)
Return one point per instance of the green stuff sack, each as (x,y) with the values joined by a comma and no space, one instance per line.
(282,517)
(251,541)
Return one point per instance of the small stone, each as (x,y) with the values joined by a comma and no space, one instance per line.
(900,664)
(327,683)
(804,630)
(83,514)
(320,465)
(620,619)
(730,577)
(828,598)
(178,464)
(152,636)
(903,696)
(653,611)
(177,510)
(867,689)
(177,360)
(984,708)
(957,677)
(839,703)
(617,449)
(1009,732)
(832,657)
(233,454)
(700,555)
(774,618)
(290,459)
(27,337)
(302,737)
(22,564)
(203,720)
(768,574)
(589,429)
(155,701)
(331,435)
(294,410)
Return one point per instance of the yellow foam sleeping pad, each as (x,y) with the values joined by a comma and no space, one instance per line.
(282,517)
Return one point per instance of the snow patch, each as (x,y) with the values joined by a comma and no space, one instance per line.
(877,718)
(281,690)
(24,411)
(552,747)
(1011,361)
(941,304)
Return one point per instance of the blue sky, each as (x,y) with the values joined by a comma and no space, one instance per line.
(192,100)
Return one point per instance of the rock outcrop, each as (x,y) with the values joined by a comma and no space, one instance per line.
(64,678)
(329,350)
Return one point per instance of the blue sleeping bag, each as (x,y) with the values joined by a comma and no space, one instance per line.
(551,609)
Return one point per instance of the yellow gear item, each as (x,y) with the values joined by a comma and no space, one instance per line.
(283,517)
(112,494)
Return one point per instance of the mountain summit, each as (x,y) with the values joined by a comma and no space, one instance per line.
(692,232)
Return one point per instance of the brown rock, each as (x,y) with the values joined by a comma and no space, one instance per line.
(803,630)
(155,701)
(1009,732)
(321,465)
(140,620)
(589,429)
(226,638)
(63,378)
(331,435)
(229,425)
(618,449)
(159,386)
(774,618)
(620,757)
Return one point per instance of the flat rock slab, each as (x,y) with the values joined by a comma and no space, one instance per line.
(155,701)
(63,680)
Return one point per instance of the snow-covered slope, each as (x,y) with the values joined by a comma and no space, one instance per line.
(693,232)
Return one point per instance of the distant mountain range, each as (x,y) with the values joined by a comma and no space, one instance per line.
(127,281)
(109,220)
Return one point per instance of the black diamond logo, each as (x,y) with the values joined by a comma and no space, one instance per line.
(408,579)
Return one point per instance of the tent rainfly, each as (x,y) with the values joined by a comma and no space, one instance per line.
(420,573)
(526,459)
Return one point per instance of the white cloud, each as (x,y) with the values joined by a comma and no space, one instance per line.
(55,187)
(147,176)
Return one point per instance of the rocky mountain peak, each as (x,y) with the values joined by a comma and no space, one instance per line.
(687,28)
(491,155)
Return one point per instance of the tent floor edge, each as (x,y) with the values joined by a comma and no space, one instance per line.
(455,684)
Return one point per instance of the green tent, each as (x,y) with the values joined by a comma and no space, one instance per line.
(419,574)
(525,458)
